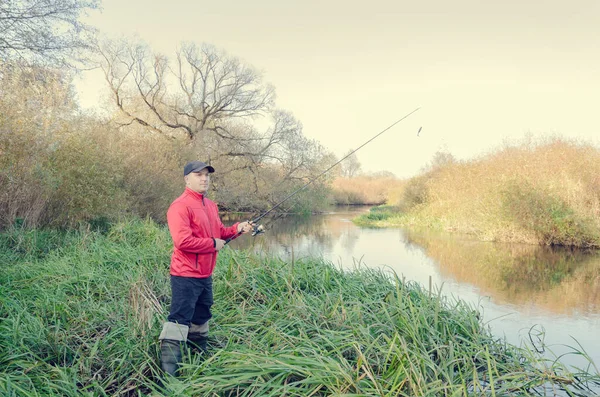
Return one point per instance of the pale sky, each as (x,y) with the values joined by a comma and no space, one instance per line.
(483,72)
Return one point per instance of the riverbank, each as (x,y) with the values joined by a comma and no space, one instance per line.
(546,193)
(83,311)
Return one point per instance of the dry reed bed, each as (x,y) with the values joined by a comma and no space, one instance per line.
(548,193)
(364,189)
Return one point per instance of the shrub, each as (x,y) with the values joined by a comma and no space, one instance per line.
(416,192)
(549,217)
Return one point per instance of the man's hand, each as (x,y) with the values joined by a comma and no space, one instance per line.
(219,244)
(245,227)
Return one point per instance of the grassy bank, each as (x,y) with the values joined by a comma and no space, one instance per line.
(547,194)
(81,313)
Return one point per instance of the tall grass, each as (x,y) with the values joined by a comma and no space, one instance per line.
(364,189)
(545,193)
(82,317)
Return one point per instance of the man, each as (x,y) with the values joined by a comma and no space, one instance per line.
(198,235)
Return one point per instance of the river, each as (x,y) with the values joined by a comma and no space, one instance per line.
(538,297)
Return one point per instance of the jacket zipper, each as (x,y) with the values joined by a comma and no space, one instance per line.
(196,261)
(212,234)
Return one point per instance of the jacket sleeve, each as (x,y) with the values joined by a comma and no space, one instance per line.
(178,219)
(227,232)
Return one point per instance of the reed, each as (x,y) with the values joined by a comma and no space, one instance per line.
(365,189)
(539,193)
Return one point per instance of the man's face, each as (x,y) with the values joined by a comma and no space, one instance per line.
(198,181)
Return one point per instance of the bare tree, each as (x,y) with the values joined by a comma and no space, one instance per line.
(268,167)
(203,92)
(213,101)
(350,166)
(440,159)
(43,31)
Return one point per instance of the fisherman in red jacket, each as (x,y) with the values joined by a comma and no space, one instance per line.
(198,235)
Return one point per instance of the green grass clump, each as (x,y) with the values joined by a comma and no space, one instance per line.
(372,218)
(84,318)
(388,216)
(391,209)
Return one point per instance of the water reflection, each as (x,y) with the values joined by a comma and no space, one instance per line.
(560,280)
(302,236)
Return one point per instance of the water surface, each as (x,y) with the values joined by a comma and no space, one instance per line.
(533,296)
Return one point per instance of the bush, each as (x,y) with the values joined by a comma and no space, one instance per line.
(550,218)
(60,168)
(416,192)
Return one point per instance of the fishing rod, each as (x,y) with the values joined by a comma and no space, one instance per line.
(258,229)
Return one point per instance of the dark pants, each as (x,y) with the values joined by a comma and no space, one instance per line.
(191,300)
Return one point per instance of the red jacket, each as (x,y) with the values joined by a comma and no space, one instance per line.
(194,223)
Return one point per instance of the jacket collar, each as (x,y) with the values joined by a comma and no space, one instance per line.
(196,195)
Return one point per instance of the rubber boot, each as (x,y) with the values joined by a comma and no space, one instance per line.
(170,356)
(198,343)
(198,337)
(172,339)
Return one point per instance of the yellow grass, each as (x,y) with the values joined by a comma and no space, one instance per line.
(547,193)
(365,189)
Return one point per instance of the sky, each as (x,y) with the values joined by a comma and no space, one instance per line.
(483,73)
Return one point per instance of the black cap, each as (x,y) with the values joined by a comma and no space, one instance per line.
(195,166)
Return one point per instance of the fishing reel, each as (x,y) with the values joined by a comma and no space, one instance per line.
(257,229)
